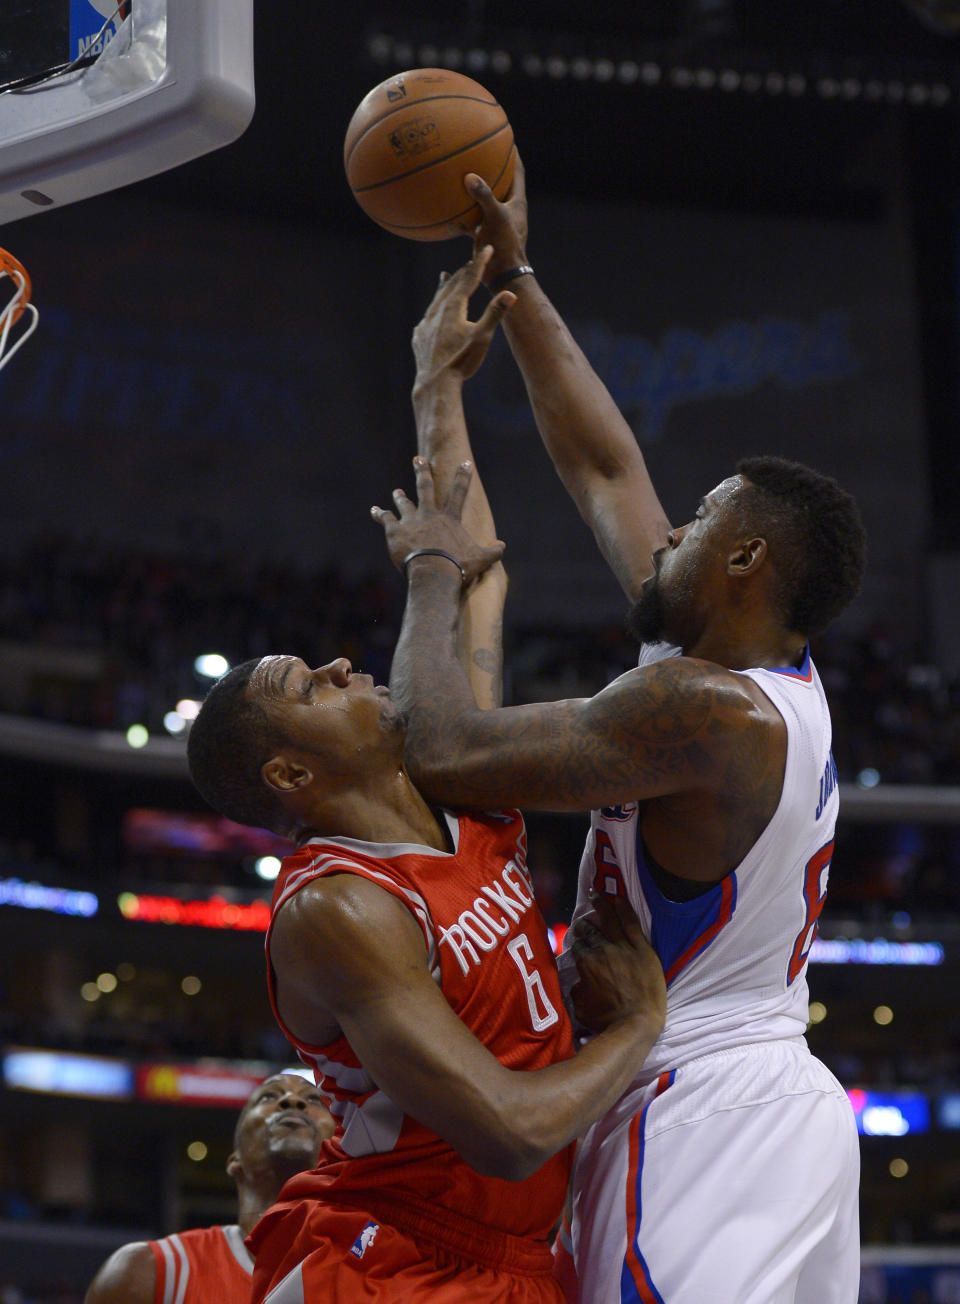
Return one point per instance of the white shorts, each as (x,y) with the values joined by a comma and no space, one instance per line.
(731,1180)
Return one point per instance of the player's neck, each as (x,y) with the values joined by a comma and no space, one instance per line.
(251,1206)
(393,811)
(739,653)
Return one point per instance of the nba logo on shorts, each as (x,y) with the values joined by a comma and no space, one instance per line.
(364,1240)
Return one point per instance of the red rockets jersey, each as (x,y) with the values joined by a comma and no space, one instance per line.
(487,948)
(206,1265)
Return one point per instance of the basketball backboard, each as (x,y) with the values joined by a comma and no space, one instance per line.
(96,94)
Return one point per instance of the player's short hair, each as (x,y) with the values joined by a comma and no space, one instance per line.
(815,536)
(229,741)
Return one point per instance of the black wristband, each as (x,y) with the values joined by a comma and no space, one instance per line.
(432,552)
(511,274)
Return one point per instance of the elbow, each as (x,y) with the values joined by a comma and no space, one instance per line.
(513,1158)
(510,1129)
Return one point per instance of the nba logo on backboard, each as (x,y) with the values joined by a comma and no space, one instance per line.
(87,17)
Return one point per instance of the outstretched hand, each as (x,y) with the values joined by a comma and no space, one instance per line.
(427,525)
(503,224)
(445,339)
(620,975)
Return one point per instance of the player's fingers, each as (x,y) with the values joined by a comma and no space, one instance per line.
(468,276)
(481,192)
(425,490)
(452,281)
(382,517)
(629,921)
(608,920)
(458,489)
(618,914)
(435,304)
(586,934)
(478,263)
(402,504)
(495,311)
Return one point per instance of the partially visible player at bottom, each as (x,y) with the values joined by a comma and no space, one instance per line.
(409,964)
(278,1134)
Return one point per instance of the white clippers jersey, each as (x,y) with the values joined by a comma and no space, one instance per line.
(735,956)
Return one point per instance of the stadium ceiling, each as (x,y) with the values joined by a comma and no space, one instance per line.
(857,30)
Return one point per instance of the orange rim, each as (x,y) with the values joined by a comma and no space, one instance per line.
(12,267)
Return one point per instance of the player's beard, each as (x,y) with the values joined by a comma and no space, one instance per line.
(646,619)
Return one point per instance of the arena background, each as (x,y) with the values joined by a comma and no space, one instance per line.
(219,389)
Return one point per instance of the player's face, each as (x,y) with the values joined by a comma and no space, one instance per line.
(329,711)
(282,1126)
(687,571)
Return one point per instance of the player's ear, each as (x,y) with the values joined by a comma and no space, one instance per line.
(234,1166)
(282,774)
(748,556)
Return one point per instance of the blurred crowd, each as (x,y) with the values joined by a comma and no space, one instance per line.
(141,619)
(53,1293)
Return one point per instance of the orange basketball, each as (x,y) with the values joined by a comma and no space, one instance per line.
(411,142)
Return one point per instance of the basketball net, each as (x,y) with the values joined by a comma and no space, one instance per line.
(18,312)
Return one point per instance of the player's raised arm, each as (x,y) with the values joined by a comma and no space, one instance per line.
(448,349)
(591,444)
(677,726)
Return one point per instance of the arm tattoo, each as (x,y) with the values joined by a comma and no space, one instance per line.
(486,659)
(666,728)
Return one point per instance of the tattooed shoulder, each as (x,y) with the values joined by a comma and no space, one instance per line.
(672,701)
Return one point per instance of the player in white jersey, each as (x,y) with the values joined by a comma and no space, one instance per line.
(728,1173)
(752,1150)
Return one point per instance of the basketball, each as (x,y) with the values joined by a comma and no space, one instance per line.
(411,142)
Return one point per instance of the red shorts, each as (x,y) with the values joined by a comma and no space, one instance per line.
(309,1252)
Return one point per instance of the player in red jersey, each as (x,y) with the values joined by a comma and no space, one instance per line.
(408,961)
(278,1133)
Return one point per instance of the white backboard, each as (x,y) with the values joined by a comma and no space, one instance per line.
(175,82)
